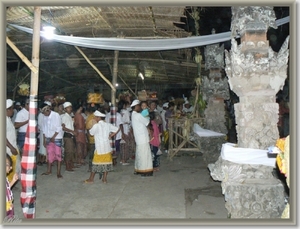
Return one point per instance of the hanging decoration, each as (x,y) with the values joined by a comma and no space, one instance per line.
(24,89)
(95,98)
(59,99)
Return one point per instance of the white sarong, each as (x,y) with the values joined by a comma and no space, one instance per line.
(143,159)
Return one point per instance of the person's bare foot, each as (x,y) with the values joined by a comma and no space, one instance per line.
(59,176)
(104,181)
(70,170)
(88,181)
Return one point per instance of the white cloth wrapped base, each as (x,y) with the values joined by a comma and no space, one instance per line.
(246,155)
(204,132)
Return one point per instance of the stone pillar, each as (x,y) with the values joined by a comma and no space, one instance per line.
(255,73)
(215,91)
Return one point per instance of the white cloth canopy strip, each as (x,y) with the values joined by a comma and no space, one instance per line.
(124,44)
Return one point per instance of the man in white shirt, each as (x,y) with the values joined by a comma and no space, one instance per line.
(187,107)
(160,106)
(127,142)
(118,136)
(143,157)
(21,123)
(42,154)
(69,137)
(11,141)
(17,108)
(102,159)
(53,134)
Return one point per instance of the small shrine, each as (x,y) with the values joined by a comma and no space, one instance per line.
(215,91)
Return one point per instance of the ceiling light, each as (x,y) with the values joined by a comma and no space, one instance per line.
(141,75)
(48,31)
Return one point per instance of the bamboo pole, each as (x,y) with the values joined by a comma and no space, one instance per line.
(14,90)
(20,54)
(120,78)
(28,161)
(35,52)
(67,81)
(95,68)
(114,77)
(127,86)
(173,62)
(136,83)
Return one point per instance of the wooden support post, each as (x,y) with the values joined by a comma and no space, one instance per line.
(28,160)
(23,58)
(170,127)
(96,69)
(14,91)
(114,77)
(127,85)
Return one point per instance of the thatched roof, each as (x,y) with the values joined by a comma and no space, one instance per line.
(64,70)
(62,67)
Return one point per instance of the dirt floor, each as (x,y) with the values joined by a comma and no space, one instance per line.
(182,189)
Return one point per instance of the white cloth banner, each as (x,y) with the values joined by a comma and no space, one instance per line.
(122,44)
(232,153)
(204,132)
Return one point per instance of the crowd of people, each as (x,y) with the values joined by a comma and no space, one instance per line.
(90,134)
(99,136)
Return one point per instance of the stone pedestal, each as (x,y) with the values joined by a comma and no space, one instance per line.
(255,198)
(250,191)
(210,147)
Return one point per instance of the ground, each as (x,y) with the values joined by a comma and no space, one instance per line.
(182,189)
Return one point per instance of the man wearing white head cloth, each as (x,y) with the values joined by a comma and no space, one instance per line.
(21,123)
(11,141)
(102,160)
(53,134)
(68,137)
(187,107)
(143,157)
(42,153)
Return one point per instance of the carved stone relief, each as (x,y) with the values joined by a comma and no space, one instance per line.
(250,191)
(210,147)
(244,16)
(215,116)
(256,79)
(247,74)
(214,57)
(215,88)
